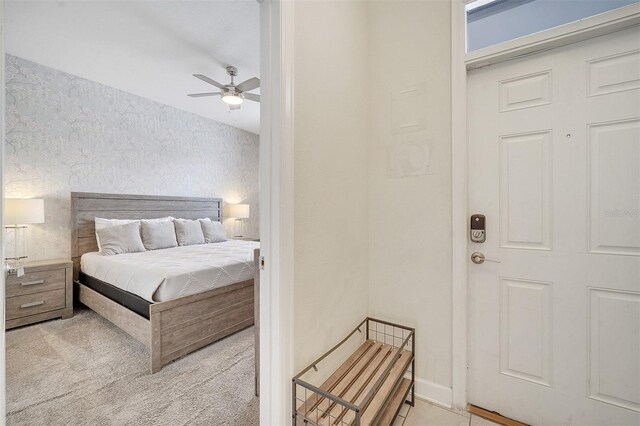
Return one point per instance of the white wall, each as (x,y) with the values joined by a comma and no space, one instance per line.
(410,230)
(365,242)
(331,213)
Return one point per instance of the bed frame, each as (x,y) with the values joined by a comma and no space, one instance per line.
(176,327)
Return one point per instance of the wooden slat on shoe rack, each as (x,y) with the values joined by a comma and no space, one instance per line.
(325,405)
(393,408)
(399,366)
(363,383)
(330,383)
(377,403)
(348,370)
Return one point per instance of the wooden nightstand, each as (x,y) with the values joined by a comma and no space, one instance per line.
(45,291)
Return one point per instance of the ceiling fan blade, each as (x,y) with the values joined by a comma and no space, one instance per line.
(232,107)
(208,80)
(252,83)
(251,97)
(200,95)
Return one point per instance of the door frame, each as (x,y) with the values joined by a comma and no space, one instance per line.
(3,392)
(276,211)
(461,63)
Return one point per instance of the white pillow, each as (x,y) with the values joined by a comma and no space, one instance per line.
(158,234)
(102,223)
(188,232)
(120,239)
(213,231)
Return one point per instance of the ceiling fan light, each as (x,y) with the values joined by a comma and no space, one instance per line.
(232,99)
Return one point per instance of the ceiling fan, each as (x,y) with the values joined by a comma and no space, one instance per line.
(231,94)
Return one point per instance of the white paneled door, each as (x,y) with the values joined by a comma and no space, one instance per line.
(554,165)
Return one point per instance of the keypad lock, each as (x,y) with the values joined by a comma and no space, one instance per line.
(478,231)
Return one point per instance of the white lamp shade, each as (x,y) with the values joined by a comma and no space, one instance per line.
(23,211)
(239,211)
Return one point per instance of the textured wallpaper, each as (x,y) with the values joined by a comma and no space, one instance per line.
(65,133)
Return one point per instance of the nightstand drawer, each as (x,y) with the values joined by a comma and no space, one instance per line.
(36,303)
(35,282)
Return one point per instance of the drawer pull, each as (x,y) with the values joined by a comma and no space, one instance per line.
(32,304)
(34,282)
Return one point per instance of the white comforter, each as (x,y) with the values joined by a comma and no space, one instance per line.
(161,275)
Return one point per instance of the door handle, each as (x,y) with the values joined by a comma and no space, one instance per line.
(34,282)
(32,304)
(479,258)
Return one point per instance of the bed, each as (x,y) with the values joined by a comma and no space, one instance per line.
(175,300)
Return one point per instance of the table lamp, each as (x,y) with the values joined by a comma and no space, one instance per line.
(238,212)
(18,213)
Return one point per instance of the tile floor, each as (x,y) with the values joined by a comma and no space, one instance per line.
(426,414)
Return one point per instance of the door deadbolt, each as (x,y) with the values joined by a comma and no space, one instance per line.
(478,232)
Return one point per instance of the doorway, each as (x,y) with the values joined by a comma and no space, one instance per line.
(267,143)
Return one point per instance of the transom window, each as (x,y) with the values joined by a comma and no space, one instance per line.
(491,22)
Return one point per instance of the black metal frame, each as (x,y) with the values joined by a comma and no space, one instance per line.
(131,301)
(357,409)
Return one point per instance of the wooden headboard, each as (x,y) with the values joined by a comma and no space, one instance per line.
(86,206)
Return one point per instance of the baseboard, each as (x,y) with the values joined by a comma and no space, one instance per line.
(433,392)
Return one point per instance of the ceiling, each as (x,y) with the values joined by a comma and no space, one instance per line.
(148,48)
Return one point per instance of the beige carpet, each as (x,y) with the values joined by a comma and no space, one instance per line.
(85,371)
